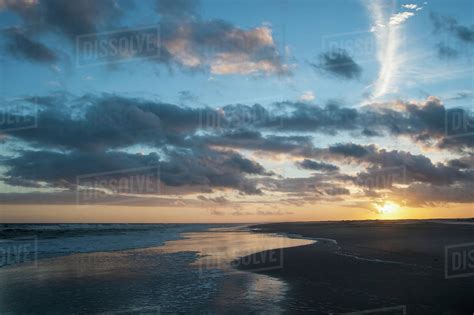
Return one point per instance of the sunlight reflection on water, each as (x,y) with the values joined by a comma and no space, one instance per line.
(184,275)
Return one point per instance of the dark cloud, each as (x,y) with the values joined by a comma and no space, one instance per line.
(381,162)
(196,167)
(337,191)
(351,150)
(465,162)
(451,25)
(20,45)
(429,195)
(428,123)
(186,39)
(70,18)
(211,168)
(317,166)
(314,186)
(109,121)
(67,18)
(91,130)
(300,116)
(338,63)
(62,169)
(254,140)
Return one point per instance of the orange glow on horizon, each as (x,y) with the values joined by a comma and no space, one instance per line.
(127,214)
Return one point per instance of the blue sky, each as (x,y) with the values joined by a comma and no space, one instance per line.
(381,75)
(300,27)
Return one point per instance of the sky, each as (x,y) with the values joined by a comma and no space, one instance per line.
(235,111)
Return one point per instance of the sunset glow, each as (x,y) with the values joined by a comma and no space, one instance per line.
(388,208)
(236,157)
(198,112)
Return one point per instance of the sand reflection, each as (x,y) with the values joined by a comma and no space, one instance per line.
(219,247)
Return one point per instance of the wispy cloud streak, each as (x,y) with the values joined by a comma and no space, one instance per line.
(389,38)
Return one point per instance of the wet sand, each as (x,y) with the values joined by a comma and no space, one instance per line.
(373,264)
(190,275)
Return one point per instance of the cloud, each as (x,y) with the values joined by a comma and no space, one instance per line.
(220,47)
(410,6)
(400,18)
(109,122)
(389,41)
(338,63)
(20,45)
(428,195)
(417,168)
(351,150)
(216,169)
(218,200)
(337,191)
(62,169)
(451,25)
(302,116)
(462,96)
(307,96)
(92,134)
(70,18)
(113,122)
(254,140)
(67,18)
(201,169)
(186,39)
(317,166)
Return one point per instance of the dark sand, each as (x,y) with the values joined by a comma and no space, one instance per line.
(326,278)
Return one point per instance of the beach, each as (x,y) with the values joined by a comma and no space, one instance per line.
(359,266)
(140,269)
(392,267)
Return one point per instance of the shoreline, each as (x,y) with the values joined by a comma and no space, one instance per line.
(358,266)
(193,269)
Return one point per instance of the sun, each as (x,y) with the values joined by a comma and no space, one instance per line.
(387,208)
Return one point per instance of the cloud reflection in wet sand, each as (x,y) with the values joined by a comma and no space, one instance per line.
(183,275)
